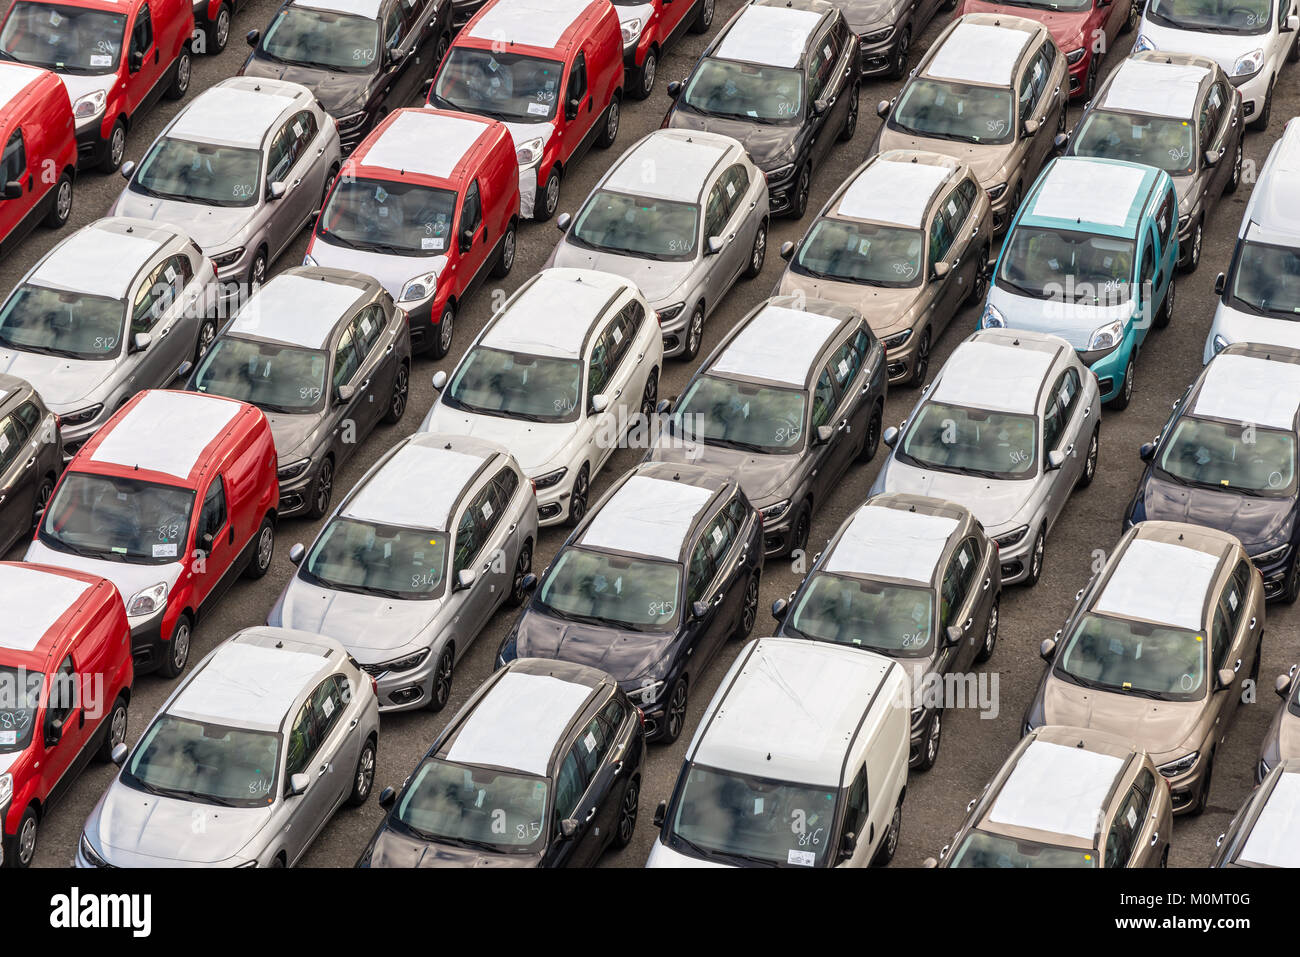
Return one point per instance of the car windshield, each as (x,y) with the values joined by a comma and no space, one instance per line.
(861,253)
(369,558)
(191,172)
(1067,266)
(982,849)
(505,86)
(119,519)
(1213,16)
(516,385)
(613,590)
(637,226)
(952,438)
(1266,280)
(404,219)
(893,619)
(20,696)
(1159,141)
(273,377)
(200,761)
(474,806)
(739,415)
(745,91)
(954,111)
(1134,657)
(739,819)
(74,325)
(317,38)
(66,39)
(1230,455)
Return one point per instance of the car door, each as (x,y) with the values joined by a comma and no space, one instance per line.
(349,412)
(14,162)
(279,167)
(955,611)
(18,479)
(1041,105)
(1150,283)
(306,176)
(1137,814)
(715,226)
(470,554)
(1216,114)
(304,811)
(214,537)
(739,231)
(471,237)
(601,426)
(579,108)
(825,403)
(600,804)
(144,61)
(496,568)
(1242,640)
(1281,37)
(63,727)
(157,312)
(850,419)
(339,748)
(376,370)
(970,618)
(941,250)
(1058,482)
(726,590)
(624,388)
(570,804)
(955,208)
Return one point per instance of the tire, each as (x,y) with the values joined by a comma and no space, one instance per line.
(263,550)
(444,331)
(757,253)
(980,287)
(178,649)
(800,530)
(22,849)
(440,52)
(872,443)
(694,333)
(749,608)
(578,498)
(322,490)
(116,730)
(207,336)
(898,67)
(645,75)
(650,396)
(1194,257)
(401,393)
(990,643)
(675,712)
(61,205)
(802,187)
(1121,401)
(442,675)
(44,492)
(217,33)
(921,361)
(116,150)
(930,741)
(1203,798)
(1235,180)
(329,181)
(523,566)
(257,268)
(1164,857)
(1260,122)
(548,199)
(363,779)
(509,246)
(1133,19)
(851,121)
(1090,463)
(1036,553)
(1291,590)
(704,19)
(889,845)
(627,810)
(609,128)
(182,72)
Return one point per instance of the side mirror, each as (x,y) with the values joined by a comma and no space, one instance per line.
(141,341)
(13,189)
(848,844)
(779,609)
(1031,127)
(889,436)
(1226,676)
(184,370)
(699,609)
(1047,650)
(939,270)
(824,433)
(439,380)
(135,61)
(568,828)
(466,240)
(713,246)
(298,784)
(599,403)
(529,582)
(675,89)
(276,190)
(396,55)
(787,250)
(1055,459)
(571,109)
(206,542)
(661,814)
(1220,284)
(563,221)
(1282,686)
(252,36)
(344,393)
(1147,451)
(127,169)
(1212,157)
(297,553)
(387,798)
(54,732)
(664,407)
(1061,142)
(882,109)
(465,578)
(953,635)
(1293,23)
(819,107)
(118,756)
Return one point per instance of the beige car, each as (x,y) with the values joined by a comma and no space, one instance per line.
(905,241)
(1067,797)
(1158,650)
(990,91)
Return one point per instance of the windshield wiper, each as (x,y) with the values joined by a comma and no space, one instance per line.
(594,619)
(735,444)
(42,350)
(467,842)
(1085,682)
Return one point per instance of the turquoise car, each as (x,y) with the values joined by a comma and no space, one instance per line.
(1090,257)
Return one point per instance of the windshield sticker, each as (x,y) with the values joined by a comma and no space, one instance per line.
(538,109)
(590,742)
(55,19)
(328,707)
(758,805)
(164,551)
(801,858)
(963,558)
(432,243)
(100,59)
(1232,600)
(381,194)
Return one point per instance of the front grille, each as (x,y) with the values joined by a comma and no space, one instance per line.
(375,671)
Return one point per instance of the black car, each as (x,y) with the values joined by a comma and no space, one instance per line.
(541,768)
(1227,459)
(885,30)
(649,587)
(362,58)
(782,77)
(31,458)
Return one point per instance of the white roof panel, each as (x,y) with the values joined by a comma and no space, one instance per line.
(891,543)
(552,316)
(775,36)
(95,261)
(519,722)
(979,53)
(1261,392)
(417,487)
(648,516)
(1057,789)
(14,78)
(33,600)
(295,309)
(425,143)
(228,114)
(534,23)
(247,684)
(1275,839)
(779,343)
(667,167)
(166,432)
(1111,191)
(1161,89)
(359,8)
(891,192)
(1160,582)
(994,377)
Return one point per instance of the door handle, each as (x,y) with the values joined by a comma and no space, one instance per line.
(969,621)
(1087,411)
(1155,837)
(32,461)
(590,815)
(618,769)
(487,566)
(230,535)
(617,393)
(988,581)
(1237,666)
(323,770)
(389,350)
(513,526)
(365,385)
(352,724)
(1069,449)
(975,230)
(1252,620)
(844,424)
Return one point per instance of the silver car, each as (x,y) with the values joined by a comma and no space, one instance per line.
(245,763)
(243,168)
(683,215)
(119,306)
(1282,740)
(412,564)
(1008,429)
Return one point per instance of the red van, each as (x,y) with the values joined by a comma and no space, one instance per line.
(428,204)
(65,685)
(171,500)
(116,57)
(649,27)
(212,24)
(552,70)
(39,162)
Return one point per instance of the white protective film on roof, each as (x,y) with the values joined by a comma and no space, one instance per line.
(648,516)
(775,36)
(892,192)
(666,167)
(994,377)
(979,53)
(247,684)
(33,601)
(1161,89)
(1057,789)
(425,143)
(519,722)
(1247,389)
(1275,839)
(551,317)
(417,487)
(230,115)
(779,344)
(1161,582)
(359,8)
(534,23)
(166,432)
(100,262)
(297,310)
(891,543)
(1111,191)
(14,78)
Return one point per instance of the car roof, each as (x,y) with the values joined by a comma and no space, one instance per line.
(768,35)
(236,112)
(647,516)
(1260,390)
(896,187)
(1160,580)
(682,162)
(420,482)
(802,334)
(982,49)
(1274,839)
(884,539)
(543,24)
(997,375)
(103,258)
(554,313)
(1117,194)
(35,599)
(164,431)
(300,308)
(15,78)
(423,142)
(360,8)
(1154,84)
(791,711)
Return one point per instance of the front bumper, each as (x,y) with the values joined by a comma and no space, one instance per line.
(875,59)
(1078,73)
(1253,90)
(1002,211)
(553,503)
(1185,788)
(780,192)
(1014,560)
(1109,369)
(528,190)
(296,493)
(405,690)
(92,146)
(1274,575)
(351,137)
(148,644)
(900,360)
(778,533)
(420,323)
(674,329)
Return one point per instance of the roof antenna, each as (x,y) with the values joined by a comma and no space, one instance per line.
(1079,745)
(447,446)
(280,643)
(912,507)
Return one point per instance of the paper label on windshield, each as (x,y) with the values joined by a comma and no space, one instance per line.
(55,19)
(802,858)
(432,243)
(8,737)
(758,805)
(717,536)
(164,551)
(381,194)
(538,109)
(100,59)
(1232,600)
(1131,817)
(618,335)
(366,325)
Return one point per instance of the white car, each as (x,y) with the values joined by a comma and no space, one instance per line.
(566,369)
(1249,39)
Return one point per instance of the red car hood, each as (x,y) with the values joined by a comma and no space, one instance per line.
(1066,26)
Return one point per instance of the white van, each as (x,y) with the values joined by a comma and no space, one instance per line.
(799,761)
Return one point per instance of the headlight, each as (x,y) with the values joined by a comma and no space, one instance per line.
(992,317)
(529,153)
(308,261)
(669,312)
(81,416)
(90,854)
(549,479)
(92,104)
(647,694)
(896,341)
(352,120)
(6,789)
(404,664)
(781,172)
(1011,537)
(227,259)
(1074,56)
(880,36)
(1183,221)
(1107,337)
(1181,766)
(291,471)
(776,510)
(631,30)
(1270,556)
(996,191)
(1143,42)
(147,601)
(1219,343)
(421,287)
(1248,64)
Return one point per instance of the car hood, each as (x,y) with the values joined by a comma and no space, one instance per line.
(1073,322)
(1224,48)
(1158,727)
(59,381)
(865,13)
(392,272)
(153,830)
(661,855)
(78,85)
(370,627)
(762,477)
(768,146)
(656,280)
(393,849)
(1239,326)
(9,759)
(1065,26)
(994,503)
(883,306)
(1255,521)
(533,444)
(129,578)
(985,161)
(290,431)
(340,93)
(622,654)
(212,227)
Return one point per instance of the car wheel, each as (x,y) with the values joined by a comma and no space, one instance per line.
(609,130)
(207,336)
(930,741)
(749,609)
(1121,401)
(329,181)
(757,253)
(401,391)
(889,846)
(218,31)
(645,77)
(1293,54)
(116,733)
(872,442)
(1292,589)
(440,52)
(441,692)
(61,206)
(1090,463)
(116,150)
(1235,180)
(1036,558)
(1164,857)
(650,397)
(322,490)
(1194,255)
(627,814)
(705,18)
(257,269)
(24,841)
(1090,81)
(363,781)
(550,198)
(177,651)
(43,495)
(675,712)
(1260,122)
(921,361)
(799,531)
(1203,798)
(694,333)
(443,332)
(506,261)
(802,187)
(990,633)
(980,286)
(523,566)
(1133,19)
(851,120)
(578,497)
(898,66)
(181,74)
(263,551)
